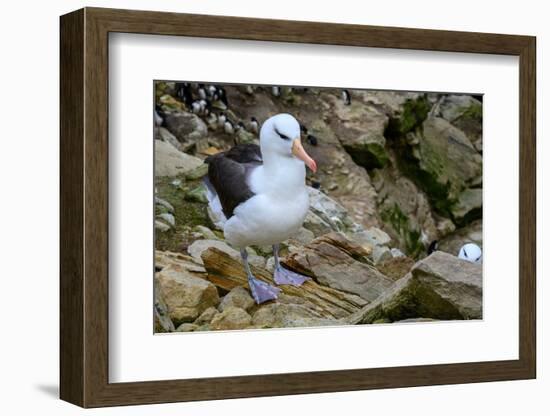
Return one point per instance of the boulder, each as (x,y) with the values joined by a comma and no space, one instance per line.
(200,246)
(187,127)
(186,327)
(282,315)
(169,161)
(164,135)
(226,272)
(457,281)
(469,206)
(336,262)
(161,226)
(471,233)
(185,294)
(163,323)
(167,218)
(206,317)
(231,318)
(238,297)
(407,298)
(443,162)
(330,211)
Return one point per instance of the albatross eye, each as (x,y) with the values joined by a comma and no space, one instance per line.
(281,135)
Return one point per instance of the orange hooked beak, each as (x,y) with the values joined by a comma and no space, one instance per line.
(300,153)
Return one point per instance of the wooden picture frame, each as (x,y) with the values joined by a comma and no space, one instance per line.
(84,207)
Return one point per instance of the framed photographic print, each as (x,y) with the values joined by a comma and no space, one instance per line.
(257,207)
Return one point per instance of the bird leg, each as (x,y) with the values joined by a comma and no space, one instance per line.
(284,276)
(261,291)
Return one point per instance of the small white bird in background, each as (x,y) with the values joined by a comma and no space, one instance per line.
(259,196)
(471,252)
(346,97)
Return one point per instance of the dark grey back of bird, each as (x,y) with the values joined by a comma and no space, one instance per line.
(228,173)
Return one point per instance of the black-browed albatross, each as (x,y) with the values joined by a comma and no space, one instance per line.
(259,197)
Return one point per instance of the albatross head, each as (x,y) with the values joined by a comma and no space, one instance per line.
(280,136)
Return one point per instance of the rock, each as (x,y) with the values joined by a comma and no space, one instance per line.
(381,254)
(227,272)
(198,247)
(280,315)
(443,164)
(238,297)
(469,205)
(457,281)
(466,113)
(404,210)
(187,127)
(316,224)
(407,298)
(303,236)
(206,232)
(231,318)
(161,226)
(395,252)
(411,115)
(372,236)
(166,258)
(164,204)
(197,173)
(330,211)
(362,134)
(472,233)
(396,267)
(165,136)
(206,317)
(186,327)
(168,218)
(197,194)
(163,323)
(169,103)
(186,295)
(339,263)
(169,161)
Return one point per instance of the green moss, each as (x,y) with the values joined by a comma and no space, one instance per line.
(400,223)
(473,112)
(188,213)
(414,113)
(369,155)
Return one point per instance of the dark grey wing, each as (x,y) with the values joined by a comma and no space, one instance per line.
(245,153)
(228,177)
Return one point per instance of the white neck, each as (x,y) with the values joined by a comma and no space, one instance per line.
(279,176)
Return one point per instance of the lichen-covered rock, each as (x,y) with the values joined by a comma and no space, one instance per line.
(169,161)
(469,205)
(457,281)
(282,315)
(443,162)
(164,135)
(186,295)
(231,318)
(396,267)
(238,297)
(187,127)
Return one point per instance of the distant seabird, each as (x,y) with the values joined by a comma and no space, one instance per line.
(470,252)
(346,97)
(183,92)
(228,127)
(259,196)
(312,140)
(276,91)
(434,246)
(254,126)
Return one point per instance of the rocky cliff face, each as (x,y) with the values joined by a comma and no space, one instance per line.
(397,171)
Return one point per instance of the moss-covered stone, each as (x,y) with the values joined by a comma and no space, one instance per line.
(411,117)
(401,224)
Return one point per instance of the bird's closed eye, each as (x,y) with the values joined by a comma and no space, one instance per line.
(281,135)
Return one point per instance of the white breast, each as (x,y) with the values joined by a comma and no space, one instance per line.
(276,212)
